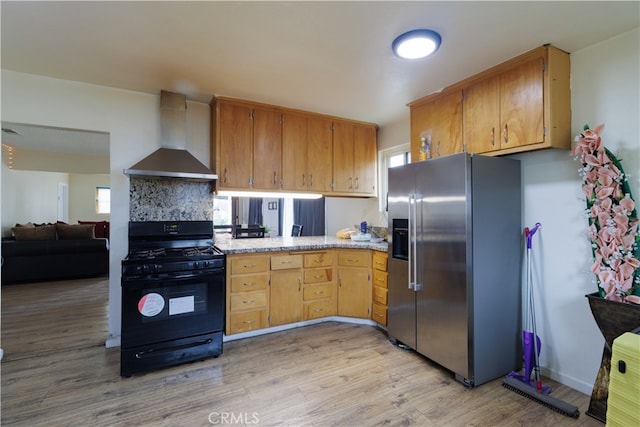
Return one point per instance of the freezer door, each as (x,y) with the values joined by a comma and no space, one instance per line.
(401,314)
(441,308)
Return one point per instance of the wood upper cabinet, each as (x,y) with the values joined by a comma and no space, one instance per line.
(233,154)
(436,126)
(506,110)
(481,116)
(520,105)
(248,149)
(319,154)
(262,147)
(306,153)
(267,149)
(354,158)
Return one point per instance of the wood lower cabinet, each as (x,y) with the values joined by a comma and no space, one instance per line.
(247,293)
(286,289)
(319,287)
(272,289)
(354,283)
(379,299)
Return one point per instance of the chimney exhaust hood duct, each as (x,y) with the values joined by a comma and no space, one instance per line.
(172,159)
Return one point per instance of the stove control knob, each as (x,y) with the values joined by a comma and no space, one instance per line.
(157,268)
(196,264)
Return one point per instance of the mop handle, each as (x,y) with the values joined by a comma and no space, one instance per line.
(530,233)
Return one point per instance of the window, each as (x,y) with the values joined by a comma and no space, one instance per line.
(391,158)
(276,215)
(103,200)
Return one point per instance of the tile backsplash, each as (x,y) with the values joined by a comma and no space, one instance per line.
(170,199)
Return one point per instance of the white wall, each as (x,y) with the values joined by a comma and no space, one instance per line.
(82,197)
(29,196)
(605,89)
(131,119)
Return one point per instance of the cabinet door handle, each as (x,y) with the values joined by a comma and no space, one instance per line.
(299,283)
(249,266)
(248,301)
(493,136)
(248,322)
(310,180)
(224,175)
(438,148)
(350,183)
(303,180)
(248,283)
(357,183)
(318,292)
(505,133)
(274,177)
(317,276)
(352,260)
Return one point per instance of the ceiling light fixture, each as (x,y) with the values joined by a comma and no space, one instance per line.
(416,44)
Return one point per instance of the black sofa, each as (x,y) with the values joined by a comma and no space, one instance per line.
(53,259)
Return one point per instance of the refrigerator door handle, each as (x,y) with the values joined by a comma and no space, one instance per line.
(409,249)
(417,261)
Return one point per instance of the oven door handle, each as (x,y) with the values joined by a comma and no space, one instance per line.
(153,353)
(143,281)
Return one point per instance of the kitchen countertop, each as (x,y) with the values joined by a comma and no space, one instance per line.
(275,244)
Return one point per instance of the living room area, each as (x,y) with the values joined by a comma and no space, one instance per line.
(55,203)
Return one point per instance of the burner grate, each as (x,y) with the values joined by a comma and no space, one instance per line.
(197,251)
(149,253)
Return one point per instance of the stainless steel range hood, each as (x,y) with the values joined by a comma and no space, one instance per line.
(172,159)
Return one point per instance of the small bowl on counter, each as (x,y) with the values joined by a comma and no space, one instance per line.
(361,237)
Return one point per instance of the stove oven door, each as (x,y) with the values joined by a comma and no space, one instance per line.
(171,320)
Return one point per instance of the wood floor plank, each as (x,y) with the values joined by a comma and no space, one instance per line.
(56,371)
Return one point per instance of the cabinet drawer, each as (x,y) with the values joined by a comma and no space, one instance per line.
(244,265)
(319,259)
(379,295)
(379,314)
(321,308)
(318,275)
(247,321)
(354,259)
(380,261)
(380,278)
(251,282)
(317,292)
(282,262)
(248,300)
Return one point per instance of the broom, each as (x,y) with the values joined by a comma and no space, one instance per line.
(521,384)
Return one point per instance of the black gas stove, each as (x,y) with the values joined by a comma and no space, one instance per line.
(173,295)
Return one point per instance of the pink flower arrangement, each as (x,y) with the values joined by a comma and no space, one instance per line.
(613,219)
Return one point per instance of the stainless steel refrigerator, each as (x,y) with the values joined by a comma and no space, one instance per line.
(455,254)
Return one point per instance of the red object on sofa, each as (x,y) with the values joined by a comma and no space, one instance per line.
(101,230)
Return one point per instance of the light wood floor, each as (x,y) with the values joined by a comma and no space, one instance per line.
(56,372)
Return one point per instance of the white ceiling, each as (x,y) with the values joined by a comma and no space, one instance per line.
(329,57)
